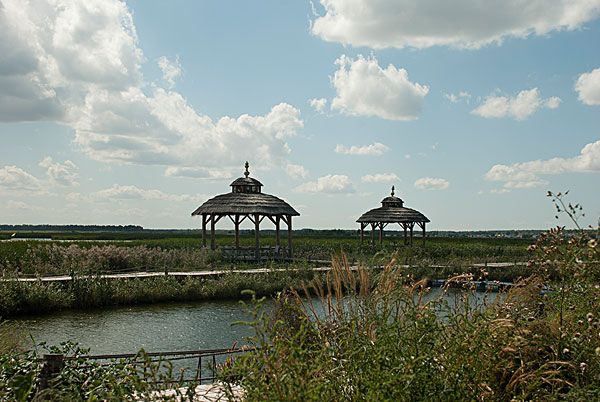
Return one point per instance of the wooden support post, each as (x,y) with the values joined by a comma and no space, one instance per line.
(203,230)
(256,236)
(51,367)
(362,232)
(372,233)
(405,234)
(236,223)
(277,238)
(423,233)
(212,232)
(412,225)
(380,233)
(290,251)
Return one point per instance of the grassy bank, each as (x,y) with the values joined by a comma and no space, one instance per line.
(17,298)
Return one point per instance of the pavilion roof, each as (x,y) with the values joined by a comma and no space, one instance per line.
(392,211)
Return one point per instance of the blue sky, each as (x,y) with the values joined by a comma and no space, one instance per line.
(137,112)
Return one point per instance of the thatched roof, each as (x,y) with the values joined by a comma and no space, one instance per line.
(246,198)
(392,211)
(246,203)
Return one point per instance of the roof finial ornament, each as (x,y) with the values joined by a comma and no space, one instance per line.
(392,191)
(247,173)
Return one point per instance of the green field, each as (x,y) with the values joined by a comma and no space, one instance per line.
(182,251)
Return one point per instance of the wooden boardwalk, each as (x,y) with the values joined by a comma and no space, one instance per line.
(213,273)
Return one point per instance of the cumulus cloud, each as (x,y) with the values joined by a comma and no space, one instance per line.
(171,69)
(374,149)
(363,88)
(296,171)
(380,178)
(13,178)
(431,183)
(519,107)
(461,96)
(332,184)
(318,104)
(197,172)
(527,174)
(62,174)
(79,63)
(588,87)
(119,192)
(460,23)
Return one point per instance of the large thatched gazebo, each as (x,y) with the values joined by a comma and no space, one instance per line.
(247,201)
(392,210)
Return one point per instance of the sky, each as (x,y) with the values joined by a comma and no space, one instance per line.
(136,112)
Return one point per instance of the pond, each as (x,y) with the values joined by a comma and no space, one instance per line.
(162,327)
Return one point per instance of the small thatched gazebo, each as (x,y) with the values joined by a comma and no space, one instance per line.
(246,200)
(392,210)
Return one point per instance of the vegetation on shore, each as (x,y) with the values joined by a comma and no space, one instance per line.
(389,342)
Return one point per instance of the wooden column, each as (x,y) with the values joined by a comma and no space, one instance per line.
(277,238)
(290,251)
(380,233)
(423,233)
(362,232)
(412,225)
(236,223)
(405,234)
(372,233)
(203,230)
(256,236)
(212,232)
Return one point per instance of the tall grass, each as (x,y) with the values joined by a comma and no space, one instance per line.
(39,297)
(379,337)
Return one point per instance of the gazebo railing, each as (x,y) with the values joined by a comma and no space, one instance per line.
(263,253)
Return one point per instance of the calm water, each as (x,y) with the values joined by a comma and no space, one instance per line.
(163,327)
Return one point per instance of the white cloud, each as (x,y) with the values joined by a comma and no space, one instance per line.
(460,23)
(333,184)
(171,69)
(588,87)
(12,205)
(197,172)
(499,191)
(13,178)
(118,192)
(296,171)
(526,174)
(431,183)
(363,88)
(79,63)
(461,96)
(374,149)
(520,107)
(318,104)
(380,178)
(63,174)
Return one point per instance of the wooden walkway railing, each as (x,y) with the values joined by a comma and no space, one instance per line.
(53,364)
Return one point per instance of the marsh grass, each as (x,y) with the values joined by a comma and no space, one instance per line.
(380,337)
(37,297)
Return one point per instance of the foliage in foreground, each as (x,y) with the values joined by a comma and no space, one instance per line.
(140,378)
(388,341)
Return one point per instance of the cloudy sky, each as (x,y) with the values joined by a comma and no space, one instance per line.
(136,112)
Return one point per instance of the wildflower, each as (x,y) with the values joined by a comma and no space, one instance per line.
(598,350)
(589,317)
(532,247)
(592,243)
(565,351)
(582,366)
